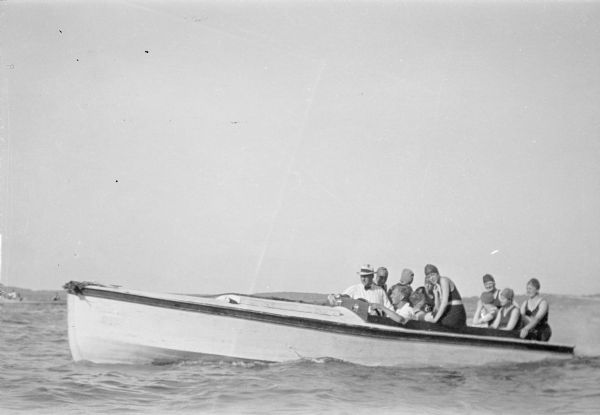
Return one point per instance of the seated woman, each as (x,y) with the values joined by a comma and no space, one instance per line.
(489,285)
(534,313)
(449,310)
(509,316)
(487,312)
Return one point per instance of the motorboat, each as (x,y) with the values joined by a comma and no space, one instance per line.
(111,324)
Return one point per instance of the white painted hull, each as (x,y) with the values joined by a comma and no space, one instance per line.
(119,330)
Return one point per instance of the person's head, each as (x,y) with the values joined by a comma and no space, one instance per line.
(407,277)
(533,287)
(381,276)
(432,274)
(427,286)
(399,293)
(487,299)
(417,300)
(489,283)
(366,275)
(506,296)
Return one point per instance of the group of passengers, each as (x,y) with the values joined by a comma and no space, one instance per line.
(438,301)
(497,309)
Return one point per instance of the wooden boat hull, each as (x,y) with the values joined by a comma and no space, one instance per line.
(113,325)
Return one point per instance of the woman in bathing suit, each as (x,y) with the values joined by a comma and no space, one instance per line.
(449,310)
(509,316)
(534,312)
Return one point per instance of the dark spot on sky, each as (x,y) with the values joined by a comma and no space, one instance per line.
(77,60)
(146,51)
(60,31)
(234,122)
(116,181)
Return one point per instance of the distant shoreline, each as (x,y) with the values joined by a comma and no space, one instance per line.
(45,296)
(36,296)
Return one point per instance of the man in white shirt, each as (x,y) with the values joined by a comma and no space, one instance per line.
(367,290)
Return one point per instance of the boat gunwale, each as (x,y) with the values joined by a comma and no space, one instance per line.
(365,329)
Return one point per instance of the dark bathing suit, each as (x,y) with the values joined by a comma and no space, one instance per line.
(542,331)
(455,314)
(505,318)
(497,299)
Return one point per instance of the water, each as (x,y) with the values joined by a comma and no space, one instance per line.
(37,375)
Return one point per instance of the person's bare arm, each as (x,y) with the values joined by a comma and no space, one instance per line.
(496,322)
(388,313)
(445,288)
(533,320)
(477,313)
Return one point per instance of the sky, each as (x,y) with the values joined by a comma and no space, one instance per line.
(209,147)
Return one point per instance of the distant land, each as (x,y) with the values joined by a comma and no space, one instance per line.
(314,298)
(37,295)
(593,295)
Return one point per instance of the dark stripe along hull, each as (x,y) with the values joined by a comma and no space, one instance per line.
(375,329)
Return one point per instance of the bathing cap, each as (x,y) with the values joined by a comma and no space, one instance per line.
(508,294)
(488,278)
(430,269)
(407,277)
(487,298)
(535,283)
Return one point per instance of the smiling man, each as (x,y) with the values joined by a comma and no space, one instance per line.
(367,289)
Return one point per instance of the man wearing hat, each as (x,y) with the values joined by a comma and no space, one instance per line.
(367,290)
